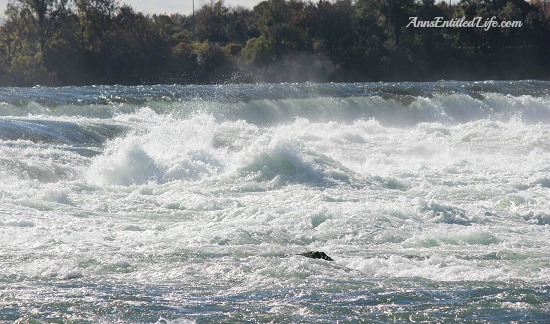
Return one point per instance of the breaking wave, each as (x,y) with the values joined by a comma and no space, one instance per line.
(270,104)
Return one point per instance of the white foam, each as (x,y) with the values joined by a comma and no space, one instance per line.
(128,164)
(211,200)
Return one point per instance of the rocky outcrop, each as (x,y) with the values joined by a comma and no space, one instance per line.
(316,255)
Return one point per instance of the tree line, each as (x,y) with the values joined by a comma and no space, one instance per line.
(80,42)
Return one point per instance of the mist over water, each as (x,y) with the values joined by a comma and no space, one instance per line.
(192,203)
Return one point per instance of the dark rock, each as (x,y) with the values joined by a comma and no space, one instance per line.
(316,255)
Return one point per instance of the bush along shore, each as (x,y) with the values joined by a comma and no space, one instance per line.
(82,42)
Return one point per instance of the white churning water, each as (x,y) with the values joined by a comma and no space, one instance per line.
(192,203)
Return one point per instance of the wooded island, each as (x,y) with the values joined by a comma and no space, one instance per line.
(83,42)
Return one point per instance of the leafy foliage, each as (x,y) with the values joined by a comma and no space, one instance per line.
(62,42)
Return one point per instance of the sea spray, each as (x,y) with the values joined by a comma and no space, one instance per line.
(135,204)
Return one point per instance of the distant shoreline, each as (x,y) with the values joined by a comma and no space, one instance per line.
(100,42)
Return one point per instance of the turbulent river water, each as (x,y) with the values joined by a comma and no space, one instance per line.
(193,203)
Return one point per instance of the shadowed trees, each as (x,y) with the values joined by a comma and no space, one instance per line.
(61,42)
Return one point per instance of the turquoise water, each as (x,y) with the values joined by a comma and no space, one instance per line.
(192,203)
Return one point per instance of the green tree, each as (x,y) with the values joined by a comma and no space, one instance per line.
(332,30)
(96,17)
(210,21)
(44,16)
(259,51)
(282,24)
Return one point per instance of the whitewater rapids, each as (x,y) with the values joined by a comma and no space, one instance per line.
(191,203)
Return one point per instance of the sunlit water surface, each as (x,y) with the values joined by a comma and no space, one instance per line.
(192,203)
